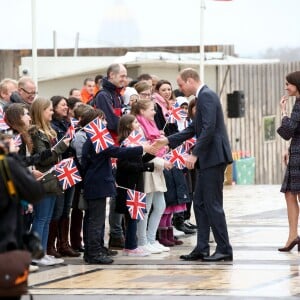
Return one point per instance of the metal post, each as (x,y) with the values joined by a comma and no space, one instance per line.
(34,47)
(55,43)
(201,67)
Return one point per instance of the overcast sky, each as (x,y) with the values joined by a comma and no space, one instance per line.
(251,26)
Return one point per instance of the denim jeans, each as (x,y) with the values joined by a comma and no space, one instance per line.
(43,211)
(63,204)
(93,223)
(145,235)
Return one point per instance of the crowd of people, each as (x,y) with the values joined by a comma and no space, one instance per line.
(178,160)
(72,220)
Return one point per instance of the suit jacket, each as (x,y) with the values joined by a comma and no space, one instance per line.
(212,147)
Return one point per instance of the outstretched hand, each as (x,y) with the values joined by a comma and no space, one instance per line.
(160,142)
(149,149)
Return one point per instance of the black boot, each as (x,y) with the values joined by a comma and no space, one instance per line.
(53,234)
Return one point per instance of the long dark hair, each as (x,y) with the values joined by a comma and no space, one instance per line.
(125,126)
(294,78)
(13,115)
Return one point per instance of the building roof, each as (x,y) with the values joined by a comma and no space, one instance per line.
(62,66)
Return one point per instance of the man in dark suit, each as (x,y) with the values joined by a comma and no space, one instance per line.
(210,156)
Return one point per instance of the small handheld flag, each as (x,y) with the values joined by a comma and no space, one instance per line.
(134,139)
(136,204)
(99,135)
(67,173)
(175,156)
(3,125)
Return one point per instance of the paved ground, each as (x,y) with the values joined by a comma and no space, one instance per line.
(257,223)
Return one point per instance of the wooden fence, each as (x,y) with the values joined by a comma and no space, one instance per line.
(263,86)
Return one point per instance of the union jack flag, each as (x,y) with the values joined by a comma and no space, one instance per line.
(74,122)
(175,156)
(70,132)
(67,173)
(136,204)
(135,138)
(99,135)
(17,140)
(177,114)
(190,143)
(3,125)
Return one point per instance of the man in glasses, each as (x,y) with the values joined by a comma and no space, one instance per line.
(26,91)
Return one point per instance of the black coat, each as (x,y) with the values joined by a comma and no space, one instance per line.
(99,181)
(160,122)
(212,147)
(130,175)
(10,211)
(109,100)
(178,190)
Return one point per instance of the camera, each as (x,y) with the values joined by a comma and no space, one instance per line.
(32,243)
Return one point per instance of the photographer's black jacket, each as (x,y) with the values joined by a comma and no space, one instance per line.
(10,210)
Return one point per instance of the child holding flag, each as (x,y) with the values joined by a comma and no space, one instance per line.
(99,183)
(130,176)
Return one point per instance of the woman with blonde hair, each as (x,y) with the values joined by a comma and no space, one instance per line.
(44,138)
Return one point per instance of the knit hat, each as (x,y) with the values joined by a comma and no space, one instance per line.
(129,91)
(182,100)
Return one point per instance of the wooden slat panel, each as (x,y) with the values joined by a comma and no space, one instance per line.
(263,86)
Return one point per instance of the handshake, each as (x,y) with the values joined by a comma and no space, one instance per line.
(159,143)
(155,146)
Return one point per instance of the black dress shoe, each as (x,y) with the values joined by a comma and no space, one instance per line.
(189,225)
(218,257)
(185,229)
(194,255)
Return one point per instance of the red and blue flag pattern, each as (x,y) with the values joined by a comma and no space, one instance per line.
(17,140)
(99,135)
(135,138)
(190,143)
(176,157)
(177,114)
(3,125)
(67,173)
(136,204)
